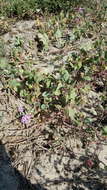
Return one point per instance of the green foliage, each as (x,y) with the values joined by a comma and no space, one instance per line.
(17,8)
(14,84)
(83,60)
(28,7)
(54,5)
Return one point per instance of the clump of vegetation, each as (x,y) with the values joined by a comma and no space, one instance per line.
(22,8)
(27,8)
(83,69)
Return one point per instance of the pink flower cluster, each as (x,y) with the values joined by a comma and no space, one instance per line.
(26,119)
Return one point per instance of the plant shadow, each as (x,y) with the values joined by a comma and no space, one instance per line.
(81,178)
(10,177)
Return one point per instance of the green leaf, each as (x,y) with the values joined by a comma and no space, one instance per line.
(45,94)
(3,63)
(59,107)
(73,94)
(105,130)
(44,38)
(72,37)
(48,83)
(14,84)
(23,93)
(43,106)
(65,75)
(79,65)
(88,78)
(88,120)
(86,44)
(57,91)
(58,33)
(71,112)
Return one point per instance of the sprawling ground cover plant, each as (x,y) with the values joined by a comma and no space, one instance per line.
(79,34)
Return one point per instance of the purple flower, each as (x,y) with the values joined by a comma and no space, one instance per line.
(25,119)
(20,109)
